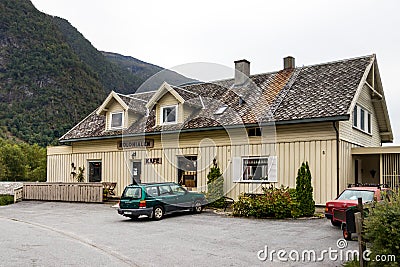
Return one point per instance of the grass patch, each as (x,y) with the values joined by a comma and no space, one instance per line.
(6,200)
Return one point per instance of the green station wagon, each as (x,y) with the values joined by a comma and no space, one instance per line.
(157,199)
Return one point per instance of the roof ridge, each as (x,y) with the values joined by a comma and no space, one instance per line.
(174,86)
(339,61)
(144,92)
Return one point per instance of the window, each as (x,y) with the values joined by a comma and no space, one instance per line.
(369,123)
(169,114)
(254,131)
(355,119)
(132,192)
(117,120)
(255,169)
(165,190)
(362,119)
(94,171)
(152,191)
(221,110)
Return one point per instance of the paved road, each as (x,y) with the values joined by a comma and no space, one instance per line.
(70,234)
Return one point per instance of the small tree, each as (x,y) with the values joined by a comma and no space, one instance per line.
(304,191)
(382,230)
(80,178)
(215,186)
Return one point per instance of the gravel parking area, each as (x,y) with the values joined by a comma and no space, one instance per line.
(73,234)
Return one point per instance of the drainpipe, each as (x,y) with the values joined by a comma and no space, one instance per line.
(337,157)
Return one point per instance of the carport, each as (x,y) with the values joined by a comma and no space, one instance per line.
(375,165)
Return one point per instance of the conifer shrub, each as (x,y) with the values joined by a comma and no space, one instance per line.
(215,188)
(304,191)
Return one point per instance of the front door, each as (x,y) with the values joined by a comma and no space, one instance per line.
(136,172)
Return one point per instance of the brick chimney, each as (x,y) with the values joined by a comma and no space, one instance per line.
(288,63)
(242,71)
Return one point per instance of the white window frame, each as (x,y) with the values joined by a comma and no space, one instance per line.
(122,120)
(162,114)
(266,169)
(358,110)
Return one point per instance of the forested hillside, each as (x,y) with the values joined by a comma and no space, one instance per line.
(51,77)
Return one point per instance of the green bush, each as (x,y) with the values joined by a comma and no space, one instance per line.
(6,200)
(304,191)
(382,230)
(273,203)
(80,178)
(215,188)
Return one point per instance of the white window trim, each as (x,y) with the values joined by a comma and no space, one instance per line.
(162,115)
(242,170)
(358,109)
(122,122)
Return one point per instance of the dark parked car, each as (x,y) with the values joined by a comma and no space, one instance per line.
(157,199)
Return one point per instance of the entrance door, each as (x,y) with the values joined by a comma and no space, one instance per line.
(136,172)
(94,171)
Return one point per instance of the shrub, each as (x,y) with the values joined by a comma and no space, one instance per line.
(382,230)
(215,188)
(6,200)
(273,203)
(80,178)
(304,191)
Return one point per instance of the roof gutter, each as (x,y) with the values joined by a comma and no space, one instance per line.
(288,122)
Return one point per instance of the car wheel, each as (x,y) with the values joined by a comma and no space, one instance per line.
(346,234)
(197,207)
(158,213)
(336,223)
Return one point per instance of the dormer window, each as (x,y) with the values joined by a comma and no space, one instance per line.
(221,110)
(117,119)
(169,114)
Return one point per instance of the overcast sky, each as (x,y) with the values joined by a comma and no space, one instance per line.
(170,33)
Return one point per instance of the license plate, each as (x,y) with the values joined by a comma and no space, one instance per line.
(128,212)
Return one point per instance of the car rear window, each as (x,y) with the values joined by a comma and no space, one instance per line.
(133,192)
(355,194)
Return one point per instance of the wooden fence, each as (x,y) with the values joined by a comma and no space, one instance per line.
(71,192)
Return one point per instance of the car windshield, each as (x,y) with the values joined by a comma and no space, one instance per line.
(133,192)
(355,194)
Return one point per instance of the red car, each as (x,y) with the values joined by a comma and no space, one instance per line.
(349,198)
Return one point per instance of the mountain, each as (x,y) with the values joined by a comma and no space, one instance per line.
(152,76)
(51,77)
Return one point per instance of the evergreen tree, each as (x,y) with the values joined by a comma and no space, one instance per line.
(215,186)
(304,191)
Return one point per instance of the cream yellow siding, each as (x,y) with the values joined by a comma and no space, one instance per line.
(221,145)
(355,136)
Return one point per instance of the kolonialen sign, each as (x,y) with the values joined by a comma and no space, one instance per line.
(127,144)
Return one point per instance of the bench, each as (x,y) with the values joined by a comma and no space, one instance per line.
(228,202)
(110,186)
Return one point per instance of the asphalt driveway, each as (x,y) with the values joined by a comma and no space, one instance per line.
(73,234)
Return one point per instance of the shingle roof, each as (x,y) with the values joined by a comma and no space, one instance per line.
(317,91)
